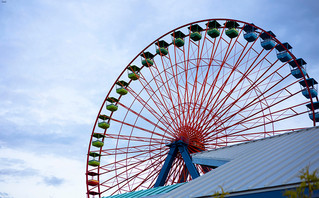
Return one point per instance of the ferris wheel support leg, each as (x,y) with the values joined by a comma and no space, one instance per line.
(188,161)
(174,148)
(167,166)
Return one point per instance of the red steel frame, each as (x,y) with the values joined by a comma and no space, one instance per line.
(213,92)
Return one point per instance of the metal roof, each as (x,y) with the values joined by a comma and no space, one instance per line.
(151,193)
(260,164)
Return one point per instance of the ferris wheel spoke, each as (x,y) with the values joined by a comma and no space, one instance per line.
(270,122)
(245,120)
(137,127)
(242,78)
(157,113)
(143,117)
(159,102)
(167,86)
(131,150)
(124,181)
(255,85)
(133,138)
(122,163)
(255,101)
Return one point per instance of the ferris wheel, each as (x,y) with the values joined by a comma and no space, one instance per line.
(201,86)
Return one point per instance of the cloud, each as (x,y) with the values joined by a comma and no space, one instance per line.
(53,175)
(4,195)
(53,181)
(18,172)
(58,60)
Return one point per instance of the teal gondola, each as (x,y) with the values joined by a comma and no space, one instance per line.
(313,111)
(298,72)
(250,34)
(283,52)
(312,84)
(268,41)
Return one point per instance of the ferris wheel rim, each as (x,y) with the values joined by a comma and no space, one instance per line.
(121,74)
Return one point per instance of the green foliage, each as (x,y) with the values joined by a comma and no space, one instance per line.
(308,180)
(221,194)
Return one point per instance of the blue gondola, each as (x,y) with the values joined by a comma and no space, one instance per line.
(267,40)
(312,84)
(295,71)
(250,34)
(283,52)
(316,111)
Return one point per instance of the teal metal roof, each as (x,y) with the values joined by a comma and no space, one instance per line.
(147,192)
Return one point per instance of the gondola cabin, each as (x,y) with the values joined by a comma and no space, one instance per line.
(231,31)
(250,34)
(121,87)
(298,72)
(313,111)
(178,38)
(312,84)
(195,32)
(161,48)
(98,135)
(111,104)
(133,72)
(147,59)
(283,52)
(94,154)
(104,121)
(213,28)
(93,182)
(97,143)
(94,162)
(267,41)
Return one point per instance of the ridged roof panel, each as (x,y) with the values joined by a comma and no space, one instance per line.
(267,162)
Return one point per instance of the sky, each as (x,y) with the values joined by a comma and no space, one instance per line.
(58,60)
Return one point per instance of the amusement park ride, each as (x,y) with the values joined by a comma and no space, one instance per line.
(209,84)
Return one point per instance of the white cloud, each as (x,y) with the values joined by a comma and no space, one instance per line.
(38,175)
(59,59)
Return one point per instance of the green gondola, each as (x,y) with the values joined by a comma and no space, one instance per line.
(133,72)
(232,31)
(93,154)
(94,163)
(98,135)
(98,143)
(121,87)
(195,29)
(147,59)
(111,106)
(178,38)
(104,121)
(213,30)
(162,48)
(104,125)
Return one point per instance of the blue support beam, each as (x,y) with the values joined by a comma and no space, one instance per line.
(167,166)
(188,160)
(174,148)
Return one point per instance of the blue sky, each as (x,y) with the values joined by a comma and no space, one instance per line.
(58,59)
